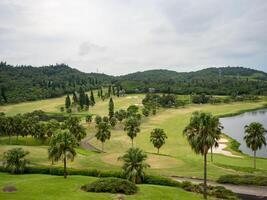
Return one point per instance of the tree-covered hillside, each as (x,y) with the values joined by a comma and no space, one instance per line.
(220,81)
(27,83)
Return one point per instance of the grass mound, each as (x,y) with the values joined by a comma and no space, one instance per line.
(111,185)
(243,180)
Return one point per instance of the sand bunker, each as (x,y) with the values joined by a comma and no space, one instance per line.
(221,148)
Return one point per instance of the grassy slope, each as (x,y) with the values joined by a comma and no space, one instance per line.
(177,158)
(44,187)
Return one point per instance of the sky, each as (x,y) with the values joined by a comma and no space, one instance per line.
(123,36)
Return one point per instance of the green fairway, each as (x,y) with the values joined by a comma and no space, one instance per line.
(53,105)
(42,187)
(176,157)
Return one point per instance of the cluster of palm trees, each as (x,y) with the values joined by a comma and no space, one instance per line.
(24,125)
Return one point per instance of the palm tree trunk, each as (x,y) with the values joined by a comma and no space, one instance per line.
(103,146)
(211,155)
(254,159)
(205,176)
(158,150)
(65,165)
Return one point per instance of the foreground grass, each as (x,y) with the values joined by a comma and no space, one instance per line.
(44,187)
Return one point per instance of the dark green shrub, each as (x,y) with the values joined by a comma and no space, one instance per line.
(112,185)
(160,180)
(243,180)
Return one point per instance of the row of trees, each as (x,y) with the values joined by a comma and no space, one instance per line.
(80,101)
(30,125)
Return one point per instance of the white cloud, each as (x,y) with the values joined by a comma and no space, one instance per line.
(121,36)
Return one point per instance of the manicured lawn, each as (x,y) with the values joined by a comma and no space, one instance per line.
(176,157)
(46,187)
(53,105)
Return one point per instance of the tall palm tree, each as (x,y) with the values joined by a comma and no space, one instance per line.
(134,164)
(14,160)
(62,146)
(200,135)
(103,132)
(132,127)
(158,137)
(255,137)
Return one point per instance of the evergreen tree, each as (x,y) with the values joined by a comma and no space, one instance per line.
(109,90)
(118,91)
(81,98)
(101,92)
(111,108)
(113,90)
(3,93)
(92,98)
(67,102)
(87,101)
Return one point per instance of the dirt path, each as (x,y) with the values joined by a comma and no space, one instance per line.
(259,191)
(86,145)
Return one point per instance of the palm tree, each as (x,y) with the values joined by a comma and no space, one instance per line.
(14,160)
(103,132)
(75,128)
(200,135)
(255,137)
(158,137)
(62,146)
(132,127)
(134,164)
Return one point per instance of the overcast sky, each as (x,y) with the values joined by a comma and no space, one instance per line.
(122,36)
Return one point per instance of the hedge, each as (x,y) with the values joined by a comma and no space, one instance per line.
(243,180)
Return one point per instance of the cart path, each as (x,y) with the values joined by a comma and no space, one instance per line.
(86,145)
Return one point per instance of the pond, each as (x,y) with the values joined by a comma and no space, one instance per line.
(234,127)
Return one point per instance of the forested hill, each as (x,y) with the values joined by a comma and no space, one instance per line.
(208,73)
(24,83)
(220,81)
(27,83)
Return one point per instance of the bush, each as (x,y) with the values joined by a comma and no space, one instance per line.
(243,180)
(160,180)
(112,185)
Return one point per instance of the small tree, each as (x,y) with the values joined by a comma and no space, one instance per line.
(132,127)
(120,115)
(113,121)
(98,119)
(132,110)
(111,108)
(158,137)
(89,118)
(134,164)
(14,160)
(255,137)
(103,133)
(145,112)
(62,147)
(105,119)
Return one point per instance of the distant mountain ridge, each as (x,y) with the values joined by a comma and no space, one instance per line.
(24,83)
